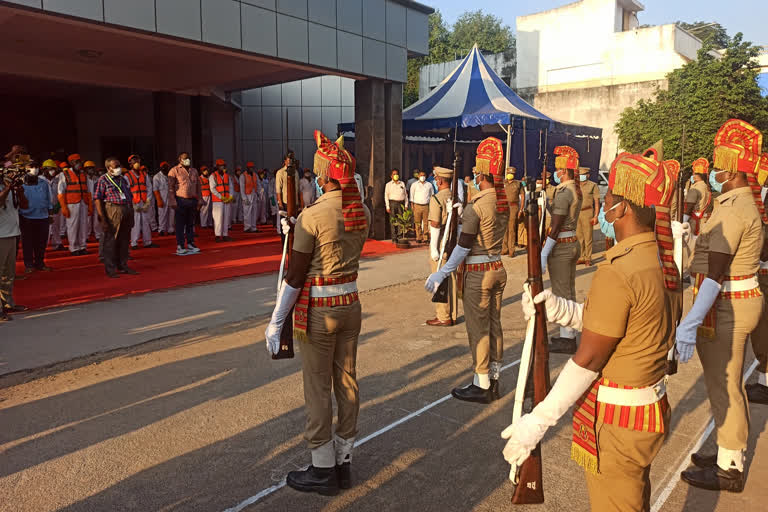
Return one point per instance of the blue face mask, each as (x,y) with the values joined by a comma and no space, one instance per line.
(716,186)
(692,180)
(583,177)
(474,182)
(605,226)
(557,178)
(318,189)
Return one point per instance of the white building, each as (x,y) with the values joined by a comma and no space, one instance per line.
(587,61)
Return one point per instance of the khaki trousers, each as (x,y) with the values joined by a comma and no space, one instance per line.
(329,360)
(445,312)
(562,269)
(584,231)
(482,310)
(510,237)
(421,220)
(7,269)
(722,359)
(624,484)
(759,336)
(113,245)
(522,232)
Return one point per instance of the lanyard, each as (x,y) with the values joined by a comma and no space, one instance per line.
(122,194)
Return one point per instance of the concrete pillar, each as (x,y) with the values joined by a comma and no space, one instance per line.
(173,128)
(378,141)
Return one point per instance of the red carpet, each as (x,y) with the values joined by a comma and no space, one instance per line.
(79,279)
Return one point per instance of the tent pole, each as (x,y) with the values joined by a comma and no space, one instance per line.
(509,147)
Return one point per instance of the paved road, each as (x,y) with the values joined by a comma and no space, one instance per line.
(205,421)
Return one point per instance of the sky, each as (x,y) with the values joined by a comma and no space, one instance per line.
(749,17)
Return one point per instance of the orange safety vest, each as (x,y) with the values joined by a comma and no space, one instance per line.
(138,186)
(222,186)
(250,184)
(237,185)
(205,186)
(77,186)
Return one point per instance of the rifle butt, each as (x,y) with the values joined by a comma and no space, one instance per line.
(286,340)
(441,295)
(529,489)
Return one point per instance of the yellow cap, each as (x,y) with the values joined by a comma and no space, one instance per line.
(49,163)
(88,163)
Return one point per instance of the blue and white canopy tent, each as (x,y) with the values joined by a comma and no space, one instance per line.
(475,102)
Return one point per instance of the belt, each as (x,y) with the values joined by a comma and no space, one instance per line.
(566,234)
(483,267)
(333,290)
(421,204)
(633,397)
(516,203)
(474,260)
(586,208)
(566,237)
(742,284)
(763,268)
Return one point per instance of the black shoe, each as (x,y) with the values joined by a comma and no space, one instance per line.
(495,393)
(757,393)
(227,239)
(217,239)
(18,308)
(60,248)
(4,316)
(562,346)
(129,271)
(344,475)
(112,275)
(320,480)
(151,246)
(715,479)
(84,252)
(703,461)
(473,393)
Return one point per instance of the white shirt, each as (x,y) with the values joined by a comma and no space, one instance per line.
(421,192)
(395,191)
(9,217)
(160,183)
(307,190)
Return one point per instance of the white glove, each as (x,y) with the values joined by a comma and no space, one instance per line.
(681,230)
(283,213)
(524,434)
(686,218)
(434,243)
(457,256)
(287,223)
(548,246)
(561,311)
(286,298)
(686,331)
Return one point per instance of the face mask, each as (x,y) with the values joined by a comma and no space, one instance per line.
(583,177)
(510,177)
(605,226)
(422,179)
(186,162)
(474,182)
(395,177)
(34,171)
(716,186)
(318,189)
(557,178)
(117,171)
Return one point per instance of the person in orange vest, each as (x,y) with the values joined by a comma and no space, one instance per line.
(62,166)
(222,198)
(237,206)
(141,188)
(249,185)
(94,227)
(205,210)
(76,204)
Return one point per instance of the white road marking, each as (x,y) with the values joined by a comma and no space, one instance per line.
(269,490)
(673,481)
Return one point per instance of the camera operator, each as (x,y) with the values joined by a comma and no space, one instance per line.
(11,199)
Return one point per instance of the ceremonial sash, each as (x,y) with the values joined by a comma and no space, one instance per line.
(306,301)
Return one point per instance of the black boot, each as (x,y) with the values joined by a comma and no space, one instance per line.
(344,475)
(757,393)
(562,346)
(495,393)
(714,478)
(320,480)
(473,393)
(703,461)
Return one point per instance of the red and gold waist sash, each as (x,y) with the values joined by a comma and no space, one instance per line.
(306,301)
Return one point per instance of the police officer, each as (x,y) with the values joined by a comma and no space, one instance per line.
(484,223)
(439,206)
(727,304)
(590,205)
(627,326)
(561,248)
(514,192)
(758,392)
(329,237)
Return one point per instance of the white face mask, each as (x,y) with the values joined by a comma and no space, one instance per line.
(422,179)
(34,171)
(117,171)
(186,162)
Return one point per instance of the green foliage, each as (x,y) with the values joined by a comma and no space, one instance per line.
(702,95)
(709,32)
(402,223)
(446,44)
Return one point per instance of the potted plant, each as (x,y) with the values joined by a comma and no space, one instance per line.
(401,224)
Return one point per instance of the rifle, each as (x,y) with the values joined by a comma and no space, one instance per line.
(286,335)
(450,238)
(544,180)
(527,479)
(672,356)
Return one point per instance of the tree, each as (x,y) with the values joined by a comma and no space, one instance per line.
(702,95)
(447,44)
(709,32)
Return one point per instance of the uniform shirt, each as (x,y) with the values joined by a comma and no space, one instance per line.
(437,211)
(183,183)
(106,190)
(590,193)
(628,301)
(734,228)
(421,193)
(566,202)
(395,191)
(9,216)
(699,195)
(160,184)
(512,188)
(281,184)
(320,232)
(53,183)
(482,219)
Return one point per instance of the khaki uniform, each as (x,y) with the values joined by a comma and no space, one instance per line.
(562,259)
(735,228)
(281,185)
(584,228)
(329,358)
(700,196)
(628,300)
(438,214)
(483,290)
(512,188)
